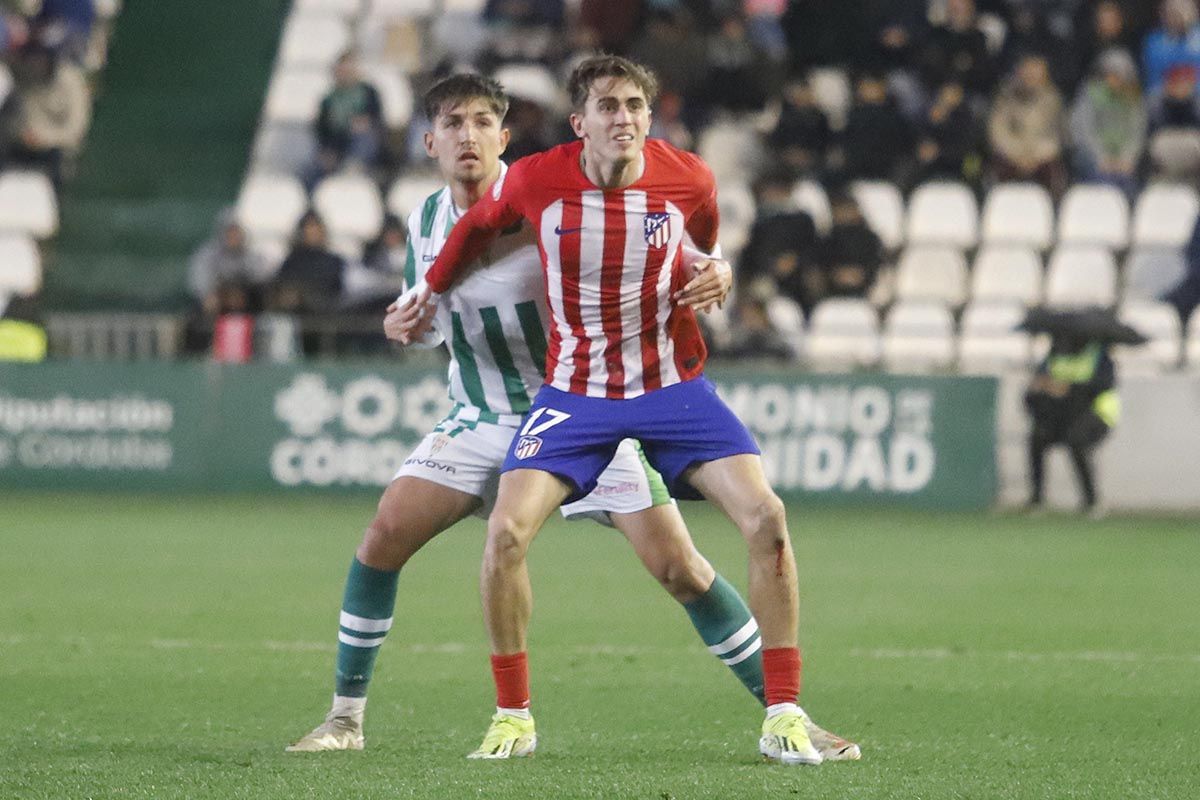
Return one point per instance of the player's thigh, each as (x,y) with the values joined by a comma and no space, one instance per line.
(627,485)
(661,540)
(411,512)
(739,487)
(526,499)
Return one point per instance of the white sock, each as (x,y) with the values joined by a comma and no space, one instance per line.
(781,708)
(519,713)
(352,707)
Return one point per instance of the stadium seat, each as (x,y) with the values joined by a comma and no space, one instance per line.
(810,198)
(943,212)
(271,204)
(883,207)
(1193,342)
(344,8)
(843,334)
(348,247)
(28,203)
(410,192)
(932,273)
(315,39)
(6,83)
(1081,276)
(1094,214)
(1165,215)
(987,354)
(918,337)
(1159,322)
(1007,273)
(403,8)
(532,82)
(395,93)
(731,150)
(1175,153)
(736,203)
(787,318)
(350,204)
(295,94)
(992,318)
(1019,214)
(273,249)
(20,265)
(1151,272)
(833,94)
(287,148)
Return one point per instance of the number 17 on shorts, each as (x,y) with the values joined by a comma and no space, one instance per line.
(529,441)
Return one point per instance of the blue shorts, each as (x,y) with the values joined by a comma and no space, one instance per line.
(574,437)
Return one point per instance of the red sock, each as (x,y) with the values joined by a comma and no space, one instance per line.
(781,675)
(511,674)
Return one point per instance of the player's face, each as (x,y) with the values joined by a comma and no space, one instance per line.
(614,121)
(467,140)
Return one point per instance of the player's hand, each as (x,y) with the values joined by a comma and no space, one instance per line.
(411,316)
(712,278)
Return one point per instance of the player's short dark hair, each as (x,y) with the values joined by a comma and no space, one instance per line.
(606,66)
(462,88)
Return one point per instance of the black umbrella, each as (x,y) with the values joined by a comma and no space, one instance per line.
(1091,324)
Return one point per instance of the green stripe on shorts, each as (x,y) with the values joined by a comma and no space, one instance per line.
(659,496)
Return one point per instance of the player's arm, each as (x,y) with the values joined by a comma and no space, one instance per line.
(709,278)
(393,321)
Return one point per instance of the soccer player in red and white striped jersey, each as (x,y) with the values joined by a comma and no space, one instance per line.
(625,360)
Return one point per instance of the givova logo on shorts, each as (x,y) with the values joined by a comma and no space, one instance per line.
(540,420)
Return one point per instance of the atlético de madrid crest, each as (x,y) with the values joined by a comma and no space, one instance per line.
(657,228)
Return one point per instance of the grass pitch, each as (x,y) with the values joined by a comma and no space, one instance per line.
(163,647)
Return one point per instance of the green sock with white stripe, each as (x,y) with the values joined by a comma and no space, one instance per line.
(726,625)
(366,617)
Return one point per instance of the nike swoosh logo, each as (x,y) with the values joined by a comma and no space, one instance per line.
(564,231)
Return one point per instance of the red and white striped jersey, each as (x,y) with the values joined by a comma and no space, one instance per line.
(611,259)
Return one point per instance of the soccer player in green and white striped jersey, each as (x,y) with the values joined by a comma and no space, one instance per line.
(493,324)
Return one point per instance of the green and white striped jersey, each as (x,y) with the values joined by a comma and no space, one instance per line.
(494,321)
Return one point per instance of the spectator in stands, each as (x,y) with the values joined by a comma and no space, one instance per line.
(782,245)
(1176,43)
(66,25)
(877,142)
(375,281)
(739,76)
(1186,295)
(753,336)
(801,135)
(48,114)
(226,262)
(670,45)
(1104,29)
(350,125)
(765,29)
(1108,124)
(950,141)
(1072,401)
(890,33)
(668,121)
(1030,32)
(612,23)
(957,51)
(529,127)
(1025,128)
(14,33)
(851,253)
(310,278)
(1176,104)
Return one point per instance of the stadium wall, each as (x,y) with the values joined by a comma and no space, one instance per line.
(924,441)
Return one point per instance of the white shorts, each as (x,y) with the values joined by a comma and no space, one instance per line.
(466,455)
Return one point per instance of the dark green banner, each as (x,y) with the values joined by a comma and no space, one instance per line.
(93,425)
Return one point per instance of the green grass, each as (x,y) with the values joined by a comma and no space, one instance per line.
(164,647)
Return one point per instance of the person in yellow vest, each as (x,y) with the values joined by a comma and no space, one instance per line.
(1073,402)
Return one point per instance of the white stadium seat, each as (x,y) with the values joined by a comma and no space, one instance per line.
(883,208)
(810,197)
(532,82)
(787,318)
(1151,272)
(943,212)
(1159,322)
(286,148)
(350,204)
(1094,214)
(833,94)
(932,273)
(28,203)
(992,318)
(345,8)
(315,39)
(1019,214)
(1007,273)
(1081,276)
(989,342)
(20,265)
(295,94)
(737,208)
(731,150)
(1193,342)
(403,8)
(843,334)
(410,192)
(6,83)
(271,204)
(918,337)
(273,249)
(395,93)
(1165,215)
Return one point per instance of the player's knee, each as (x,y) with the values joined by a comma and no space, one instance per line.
(383,545)
(508,540)
(765,525)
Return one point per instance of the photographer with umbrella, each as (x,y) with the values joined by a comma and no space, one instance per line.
(1072,398)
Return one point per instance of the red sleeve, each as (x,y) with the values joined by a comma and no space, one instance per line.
(704,221)
(497,210)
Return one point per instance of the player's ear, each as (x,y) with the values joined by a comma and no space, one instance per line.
(429,149)
(505,136)
(576,121)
